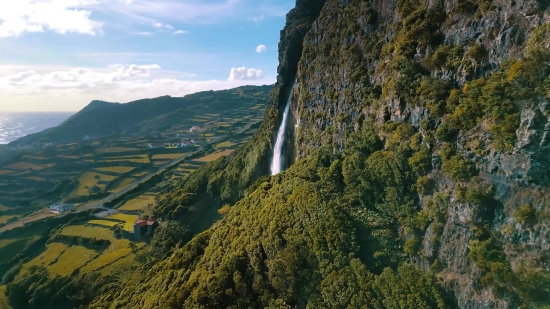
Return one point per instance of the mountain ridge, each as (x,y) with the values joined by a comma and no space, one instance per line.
(104,118)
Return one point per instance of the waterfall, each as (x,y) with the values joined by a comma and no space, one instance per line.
(277,162)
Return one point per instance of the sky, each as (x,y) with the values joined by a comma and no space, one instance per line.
(58,55)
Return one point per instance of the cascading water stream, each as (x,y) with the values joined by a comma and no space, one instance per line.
(277,162)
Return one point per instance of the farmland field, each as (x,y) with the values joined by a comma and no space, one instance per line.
(5,172)
(214,156)
(89,180)
(74,257)
(11,247)
(88,232)
(3,300)
(136,159)
(53,251)
(139,202)
(35,178)
(26,165)
(170,156)
(69,157)
(159,163)
(4,219)
(106,223)
(225,144)
(108,256)
(116,149)
(128,219)
(124,184)
(2,207)
(117,169)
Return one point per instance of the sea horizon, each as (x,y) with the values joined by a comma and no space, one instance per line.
(15,125)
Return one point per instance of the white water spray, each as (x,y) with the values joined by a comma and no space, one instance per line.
(277,162)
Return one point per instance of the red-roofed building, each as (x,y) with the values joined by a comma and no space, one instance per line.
(145,227)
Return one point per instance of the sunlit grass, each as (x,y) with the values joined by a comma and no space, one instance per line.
(138,203)
(215,156)
(116,169)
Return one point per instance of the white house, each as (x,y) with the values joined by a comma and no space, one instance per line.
(195,129)
(184,144)
(155,145)
(86,138)
(61,207)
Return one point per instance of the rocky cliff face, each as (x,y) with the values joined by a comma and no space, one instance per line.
(371,59)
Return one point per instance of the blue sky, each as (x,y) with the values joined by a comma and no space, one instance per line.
(58,55)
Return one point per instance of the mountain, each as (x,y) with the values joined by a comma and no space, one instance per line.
(103,118)
(416,171)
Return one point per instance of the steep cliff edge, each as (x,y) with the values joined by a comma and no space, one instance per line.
(419,134)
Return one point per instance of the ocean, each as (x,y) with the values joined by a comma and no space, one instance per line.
(16,125)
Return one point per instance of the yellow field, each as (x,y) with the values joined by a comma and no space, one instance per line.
(138,175)
(88,180)
(4,219)
(26,165)
(106,223)
(128,219)
(215,156)
(5,172)
(136,159)
(53,251)
(3,300)
(224,145)
(36,157)
(122,267)
(198,120)
(117,169)
(108,256)
(213,115)
(138,203)
(88,232)
(124,184)
(95,143)
(115,149)
(69,157)
(170,156)
(2,207)
(74,257)
(35,178)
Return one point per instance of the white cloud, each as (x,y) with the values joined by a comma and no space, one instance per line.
(72,89)
(243,73)
(143,33)
(162,26)
(261,48)
(258,18)
(62,16)
(179,32)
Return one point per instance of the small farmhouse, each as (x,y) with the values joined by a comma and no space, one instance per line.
(195,129)
(61,207)
(145,227)
(184,144)
(155,145)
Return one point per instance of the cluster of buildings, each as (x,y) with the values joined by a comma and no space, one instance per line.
(181,144)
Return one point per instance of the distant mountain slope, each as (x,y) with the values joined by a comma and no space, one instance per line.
(103,118)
